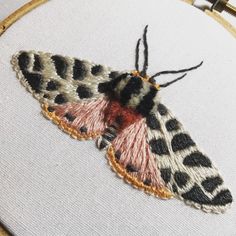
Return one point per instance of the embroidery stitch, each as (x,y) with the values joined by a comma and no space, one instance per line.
(146,145)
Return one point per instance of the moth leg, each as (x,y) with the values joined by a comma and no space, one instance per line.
(104,141)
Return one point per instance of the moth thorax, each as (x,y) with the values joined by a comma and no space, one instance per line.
(133,91)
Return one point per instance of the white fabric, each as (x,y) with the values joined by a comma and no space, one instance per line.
(9,6)
(54,185)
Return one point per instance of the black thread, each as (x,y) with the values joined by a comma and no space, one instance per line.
(197,159)
(132,87)
(145,64)
(181,178)
(181,141)
(166,174)
(147,103)
(60,99)
(137,55)
(211,183)
(84,91)
(173,81)
(176,71)
(37,63)
(61,65)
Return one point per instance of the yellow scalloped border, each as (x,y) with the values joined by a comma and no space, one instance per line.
(67,128)
(163,193)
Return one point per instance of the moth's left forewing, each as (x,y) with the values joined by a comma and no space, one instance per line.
(186,170)
(55,79)
(68,90)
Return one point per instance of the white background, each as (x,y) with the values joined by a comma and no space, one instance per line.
(54,185)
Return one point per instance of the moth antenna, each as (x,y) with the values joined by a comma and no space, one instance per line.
(176,71)
(173,81)
(145,52)
(137,55)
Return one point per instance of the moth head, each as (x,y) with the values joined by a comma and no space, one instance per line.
(152,80)
(146,79)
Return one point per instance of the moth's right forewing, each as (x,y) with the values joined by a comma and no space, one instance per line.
(187,171)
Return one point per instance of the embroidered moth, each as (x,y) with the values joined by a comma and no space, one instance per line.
(146,145)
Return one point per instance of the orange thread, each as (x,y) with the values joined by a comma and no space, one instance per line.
(67,128)
(145,79)
(162,192)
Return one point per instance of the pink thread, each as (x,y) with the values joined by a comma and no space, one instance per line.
(135,151)
(87,114)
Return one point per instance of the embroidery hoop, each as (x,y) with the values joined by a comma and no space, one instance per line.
(16,15)
(4,25)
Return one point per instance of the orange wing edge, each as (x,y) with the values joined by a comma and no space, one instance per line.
(66,127)
(162,193)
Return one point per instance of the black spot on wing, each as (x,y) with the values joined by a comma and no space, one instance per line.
(79,70)
(181,141)
(172,125)
(196,159)
(38,66)
(174,188)
(162,109)
(118,154)
(130,168)
(61,65)
(97,70)
(104,87)
(146,104)
(34,80)
(132,87)
(152,122)
(84,92)
(196,194)
(23,61)
(46,96)
(52,85)
(211,183)
(83,129)
(159,146)
(222,198)
(147,182)
(181,178)
(166,174)
(51,109)
(114,74)
(60,99)
(69,117)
